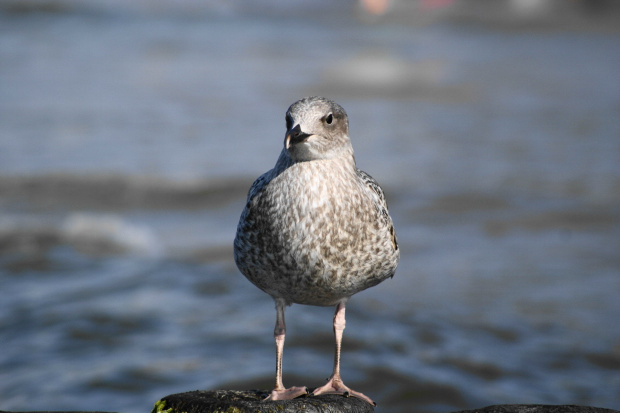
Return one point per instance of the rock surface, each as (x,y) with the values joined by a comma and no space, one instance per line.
(538,408)
(240,401)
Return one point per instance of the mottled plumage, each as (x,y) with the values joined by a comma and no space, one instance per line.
(315,229)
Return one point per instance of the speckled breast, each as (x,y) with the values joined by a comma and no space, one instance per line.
(314,236)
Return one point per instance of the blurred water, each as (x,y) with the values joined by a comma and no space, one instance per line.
(129,135)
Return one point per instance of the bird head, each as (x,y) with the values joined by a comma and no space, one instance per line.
(317,128)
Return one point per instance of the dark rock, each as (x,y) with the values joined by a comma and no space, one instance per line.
(538,408)
(56,411)
(242,401)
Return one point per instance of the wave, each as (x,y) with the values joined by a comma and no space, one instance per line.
(98,234)
(112,192)
(109,230)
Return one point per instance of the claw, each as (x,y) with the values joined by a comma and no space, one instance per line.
(287,394)
(338,387)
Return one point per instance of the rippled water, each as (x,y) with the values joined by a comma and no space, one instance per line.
(129,136)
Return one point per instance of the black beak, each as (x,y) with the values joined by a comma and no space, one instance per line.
(295,136)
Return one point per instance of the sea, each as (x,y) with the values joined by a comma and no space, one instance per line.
(130,133)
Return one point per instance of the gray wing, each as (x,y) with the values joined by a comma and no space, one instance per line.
(258,185)
(261,182)
(370,182)
(244,227)
(381,203)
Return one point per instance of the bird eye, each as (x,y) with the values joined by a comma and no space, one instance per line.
(329,119)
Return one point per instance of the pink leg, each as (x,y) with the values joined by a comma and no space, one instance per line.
(279,392)
(334,384)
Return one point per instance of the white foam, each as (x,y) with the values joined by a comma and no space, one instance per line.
(112,230)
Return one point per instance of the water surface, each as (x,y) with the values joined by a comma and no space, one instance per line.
(129,136)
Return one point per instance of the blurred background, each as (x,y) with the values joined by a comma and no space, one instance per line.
(130,133)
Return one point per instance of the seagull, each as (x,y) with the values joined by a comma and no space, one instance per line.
(315,229)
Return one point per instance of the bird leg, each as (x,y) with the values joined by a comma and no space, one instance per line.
(334,384)
(280,392)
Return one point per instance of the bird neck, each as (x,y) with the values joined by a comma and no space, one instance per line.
(346,161)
